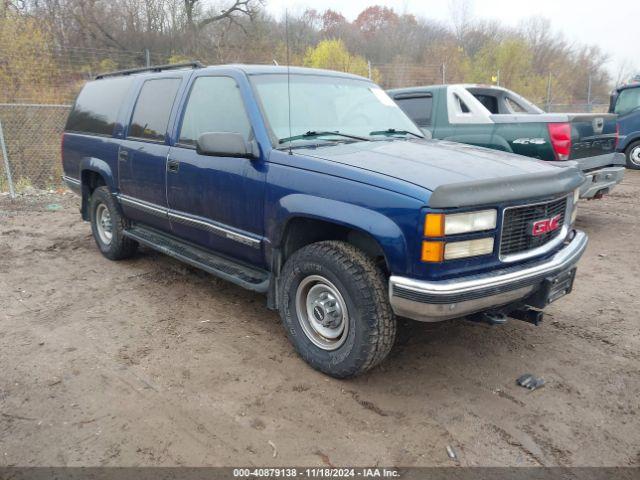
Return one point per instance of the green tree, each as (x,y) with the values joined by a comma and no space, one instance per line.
(512,62)
(28,71)
(333,55)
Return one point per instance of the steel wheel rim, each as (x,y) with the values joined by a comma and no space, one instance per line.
(635,156)
(322,312)
(104,224)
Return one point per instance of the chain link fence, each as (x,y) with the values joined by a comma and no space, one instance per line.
(576,107)
(30,136)
(398,76)
(37,88)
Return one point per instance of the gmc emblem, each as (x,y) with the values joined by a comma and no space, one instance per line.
(545,226)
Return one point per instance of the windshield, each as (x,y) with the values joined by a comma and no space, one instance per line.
(324,104)
(628,100)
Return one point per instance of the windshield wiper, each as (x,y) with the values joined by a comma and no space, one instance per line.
(393,131)
(314,134)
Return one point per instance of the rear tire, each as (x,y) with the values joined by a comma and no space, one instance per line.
(335,308)
(633,156)
(107,226)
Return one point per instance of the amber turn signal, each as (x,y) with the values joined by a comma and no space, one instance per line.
(432,252)
(434,225)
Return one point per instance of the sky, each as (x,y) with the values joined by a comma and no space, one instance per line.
(613,26)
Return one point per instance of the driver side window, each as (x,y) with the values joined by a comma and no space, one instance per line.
(214,105)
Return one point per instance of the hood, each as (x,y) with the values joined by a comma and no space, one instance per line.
(455,168)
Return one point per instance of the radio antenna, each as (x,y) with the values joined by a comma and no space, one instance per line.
(286,33)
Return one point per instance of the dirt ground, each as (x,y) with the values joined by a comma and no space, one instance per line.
(149,362)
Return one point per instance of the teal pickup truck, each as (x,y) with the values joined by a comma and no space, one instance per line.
(500,119)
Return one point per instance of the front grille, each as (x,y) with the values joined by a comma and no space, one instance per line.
(517,223)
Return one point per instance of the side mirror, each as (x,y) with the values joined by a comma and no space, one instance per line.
(226,144)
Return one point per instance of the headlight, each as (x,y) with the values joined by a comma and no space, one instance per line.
(468,248)
(439,224)
(436,252)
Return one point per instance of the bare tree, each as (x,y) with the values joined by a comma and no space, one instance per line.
(100,34)
(550,49)
(197,18)
(461,12)
(625,72)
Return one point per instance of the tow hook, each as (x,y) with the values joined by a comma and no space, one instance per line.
(491,318)
(528,315)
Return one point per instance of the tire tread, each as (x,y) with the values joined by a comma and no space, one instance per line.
(121,247)
(630,148)
(368,279)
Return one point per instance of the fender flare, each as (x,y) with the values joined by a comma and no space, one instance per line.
(92,164)
(99,166)
(382,229)
(628,140)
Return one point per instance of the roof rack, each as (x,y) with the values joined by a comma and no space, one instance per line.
(153,68)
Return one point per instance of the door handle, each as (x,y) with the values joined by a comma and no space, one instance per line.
(173,165)
(123,155)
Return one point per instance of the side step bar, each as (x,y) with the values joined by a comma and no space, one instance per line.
(247,277)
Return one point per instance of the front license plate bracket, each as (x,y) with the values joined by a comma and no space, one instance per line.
(552,289)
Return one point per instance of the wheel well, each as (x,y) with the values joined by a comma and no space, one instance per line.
(90,181)
(632,144)
(300,232)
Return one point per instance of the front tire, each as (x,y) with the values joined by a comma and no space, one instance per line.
(633,156)
(335,308)
(107,226)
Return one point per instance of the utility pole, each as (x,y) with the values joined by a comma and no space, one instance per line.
(147,57)
(589,94)
(7,166)
(444,73)
(369,68)
(548,93)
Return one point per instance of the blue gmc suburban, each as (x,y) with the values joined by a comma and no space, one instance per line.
(315,188)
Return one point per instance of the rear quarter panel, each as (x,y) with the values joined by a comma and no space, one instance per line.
(528,139)
(87,152)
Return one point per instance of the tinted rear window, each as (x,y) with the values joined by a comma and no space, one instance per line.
(96,108)
(151,113)
(489,102)
(417,108)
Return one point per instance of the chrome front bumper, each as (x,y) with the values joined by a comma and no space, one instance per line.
(429,301)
